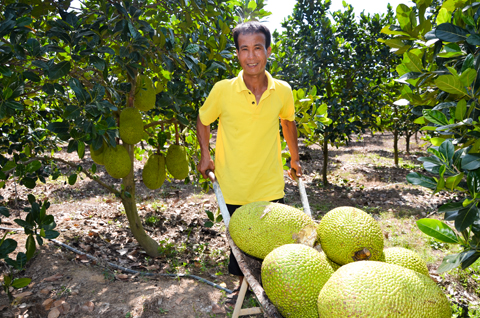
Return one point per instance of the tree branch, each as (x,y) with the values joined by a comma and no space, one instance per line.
(160,122)
(73,165)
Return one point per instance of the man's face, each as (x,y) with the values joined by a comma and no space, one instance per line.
(252,53)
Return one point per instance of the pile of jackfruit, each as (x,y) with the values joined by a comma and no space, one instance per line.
(117,160)
(336,268)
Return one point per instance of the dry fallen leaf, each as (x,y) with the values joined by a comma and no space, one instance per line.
(179,300)
(53,278)
(122,276)
(88,306)
(54,313)
(47,304)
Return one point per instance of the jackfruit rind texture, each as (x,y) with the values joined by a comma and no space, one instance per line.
(177,162)
(292,277)
(372,289)
(131,126)
(259,227)
(144,93)
(345,231)
(153,173)
(406,258)
(98,155)
(117,161)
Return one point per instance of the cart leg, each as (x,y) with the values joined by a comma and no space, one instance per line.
(240,298)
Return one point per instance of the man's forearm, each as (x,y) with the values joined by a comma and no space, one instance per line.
(290,133)
(203,136)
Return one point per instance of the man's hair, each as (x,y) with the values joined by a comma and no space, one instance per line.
(252,27)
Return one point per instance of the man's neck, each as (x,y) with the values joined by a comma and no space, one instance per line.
(256,83)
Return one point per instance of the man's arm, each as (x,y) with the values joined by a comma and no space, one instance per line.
(203,136)
(290,133)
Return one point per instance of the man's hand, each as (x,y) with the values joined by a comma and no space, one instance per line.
(206,163)
(296,169)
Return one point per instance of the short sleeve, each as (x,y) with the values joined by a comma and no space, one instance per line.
(288,110)
(210,110)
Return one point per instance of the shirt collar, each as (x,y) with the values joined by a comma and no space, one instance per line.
(240,83)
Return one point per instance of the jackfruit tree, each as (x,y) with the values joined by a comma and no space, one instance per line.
(68,75)
(340,59)
(440,71)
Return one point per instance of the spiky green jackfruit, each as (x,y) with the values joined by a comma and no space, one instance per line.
(406,258)
(98,155)
(153,173)
(259,227)
(131,126)
(177,162)
(144,94)
(117,161)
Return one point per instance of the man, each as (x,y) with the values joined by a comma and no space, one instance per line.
(248,163)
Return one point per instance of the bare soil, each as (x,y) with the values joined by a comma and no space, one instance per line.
(66,284)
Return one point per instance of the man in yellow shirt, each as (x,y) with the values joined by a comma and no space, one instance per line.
(248,163)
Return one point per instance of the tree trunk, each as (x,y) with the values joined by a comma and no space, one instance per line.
(145,241)
(325,161)
(395,146)
(407,143)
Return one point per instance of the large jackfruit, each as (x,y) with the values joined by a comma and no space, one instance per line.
(372,289)
(153,173)
(117,161)
(144,93)
(98,155)
(259,227)
(406,258)
(292,276)
(131,126)
(177,162)
(348,234)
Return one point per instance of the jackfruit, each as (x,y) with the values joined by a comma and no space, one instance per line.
(131,126)
(348,234)
(292,277)
(376,290)
(98,155)
(153,173)
(406,258)
(259,227)
(144,93)
(177,162)
(117,161)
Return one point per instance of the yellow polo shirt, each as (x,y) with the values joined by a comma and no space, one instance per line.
(248,163)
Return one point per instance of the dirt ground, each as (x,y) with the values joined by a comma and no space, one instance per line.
(66,284)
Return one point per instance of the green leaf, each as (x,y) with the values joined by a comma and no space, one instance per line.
(7,247)
(21,282)
(413,62)
(72,179)
(450,84)
(461,110)
(31,76)
(449,262)
(192,49)
(450,207)
(50,234)
(435,116)
(59,70)
(4,211)
(474,39)
(449,32)
(208,224)
(447,149)
(438,230)
(471,162)
(30,246)
(468,77)
(452,182)
(81,149)
(33,166)
(437,141)
(252,5)
(466,217)
(424,181)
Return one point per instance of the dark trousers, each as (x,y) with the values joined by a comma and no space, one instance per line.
(233,267)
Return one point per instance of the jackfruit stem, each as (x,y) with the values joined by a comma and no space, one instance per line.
(362,255)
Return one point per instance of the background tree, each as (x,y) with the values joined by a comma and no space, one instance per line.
(342,59)
(440,69)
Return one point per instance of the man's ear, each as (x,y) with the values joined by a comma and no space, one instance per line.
(269,51)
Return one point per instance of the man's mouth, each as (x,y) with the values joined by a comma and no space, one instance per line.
(253,64)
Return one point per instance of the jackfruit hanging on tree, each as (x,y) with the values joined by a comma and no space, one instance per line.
(98,155)
(144,93)
(177,162)
(154,173)
(117,161)
(131,126)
